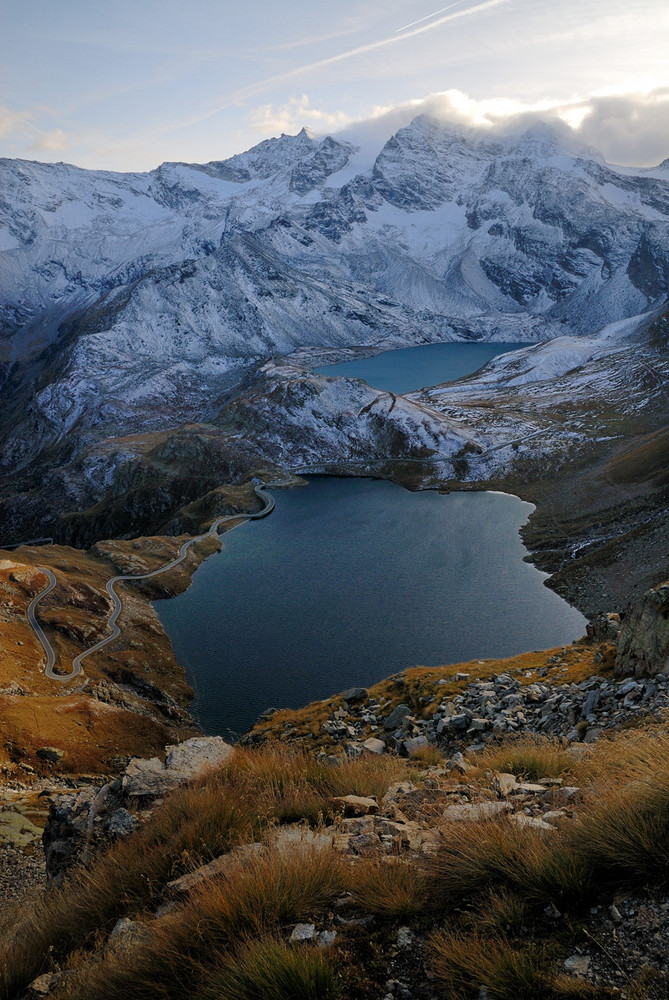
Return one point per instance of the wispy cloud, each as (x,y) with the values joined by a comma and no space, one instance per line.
(238,97)
(630,129)
(11,120)
(428,16)
(52,141)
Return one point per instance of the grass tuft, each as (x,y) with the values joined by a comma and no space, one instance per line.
(530,758)
(270,968)
(465,964)
(388,887)
(256,898)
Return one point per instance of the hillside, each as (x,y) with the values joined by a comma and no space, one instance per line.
(484,862)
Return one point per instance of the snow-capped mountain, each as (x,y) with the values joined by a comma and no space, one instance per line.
(134,302)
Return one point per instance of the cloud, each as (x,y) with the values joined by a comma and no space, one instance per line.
(51,141)
(296,112)
(629,129)
(11,120)
(239,96)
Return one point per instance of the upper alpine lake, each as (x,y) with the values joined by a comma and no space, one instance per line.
(349,581)
(411,368)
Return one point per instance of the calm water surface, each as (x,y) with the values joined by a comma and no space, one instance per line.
(349,581)
(412,368)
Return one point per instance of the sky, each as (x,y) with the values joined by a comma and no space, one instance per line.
(128,84)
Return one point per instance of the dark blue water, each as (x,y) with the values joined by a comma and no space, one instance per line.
(412,368)
(349,581)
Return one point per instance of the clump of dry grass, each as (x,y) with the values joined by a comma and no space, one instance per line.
(623,834)
(389,887)
(463,964)
(429,756)
(295,785)
(530,758)
(195,824)
(269,968)
(257,897)
(633,754)
(476,858)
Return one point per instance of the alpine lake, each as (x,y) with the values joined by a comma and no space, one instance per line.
(351,580)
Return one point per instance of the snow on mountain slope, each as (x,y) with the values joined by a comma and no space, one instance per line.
(135,301)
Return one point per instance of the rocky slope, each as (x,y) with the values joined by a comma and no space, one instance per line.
(486,860)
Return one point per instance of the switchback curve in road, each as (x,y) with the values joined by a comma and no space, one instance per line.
(35,625)
(116,600)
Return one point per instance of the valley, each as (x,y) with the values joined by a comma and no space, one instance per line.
(163,337)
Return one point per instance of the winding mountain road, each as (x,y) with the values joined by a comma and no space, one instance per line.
(116,600)
(35,625)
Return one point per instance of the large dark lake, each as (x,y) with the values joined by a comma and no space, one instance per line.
(349,581)
(411,368)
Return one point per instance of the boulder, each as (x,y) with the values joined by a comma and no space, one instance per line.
(354,695)
(534,821)
(184,762)
(218,868)
(302,932)
(396,718)
(504,784)
(356,805)
(643,647)
(51,754)
(472,812)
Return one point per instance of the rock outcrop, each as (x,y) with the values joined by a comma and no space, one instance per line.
(643,648)
(79,821)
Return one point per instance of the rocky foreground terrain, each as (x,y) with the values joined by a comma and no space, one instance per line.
(495,829)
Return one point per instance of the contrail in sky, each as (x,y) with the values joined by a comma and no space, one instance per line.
(428,16)
(237,97)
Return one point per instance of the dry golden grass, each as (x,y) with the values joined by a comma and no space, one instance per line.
(619,838)
(477,858)
(195,824)
(297,786)
(389,887)
(506,971)
(531,758)
(624,833)
(269,968)
(185,949)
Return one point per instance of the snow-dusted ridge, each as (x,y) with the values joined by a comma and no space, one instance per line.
(131,303)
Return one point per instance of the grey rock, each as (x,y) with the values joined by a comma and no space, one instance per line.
(405,937)
(472,812)
(413,745)
(577,965)
(302,932)
(396,717)
(643,647)
(184,762)
(354,695)
(122,823)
